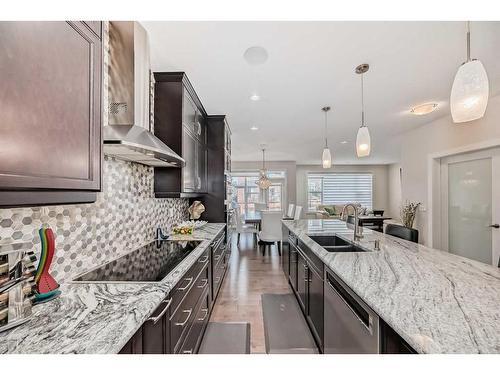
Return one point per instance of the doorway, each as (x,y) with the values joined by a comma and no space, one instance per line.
(470,205)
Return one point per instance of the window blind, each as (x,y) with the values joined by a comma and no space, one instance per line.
(340,188)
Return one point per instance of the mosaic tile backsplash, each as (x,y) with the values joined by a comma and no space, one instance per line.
(124,217)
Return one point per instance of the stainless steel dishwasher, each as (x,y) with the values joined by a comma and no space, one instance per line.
(351,327)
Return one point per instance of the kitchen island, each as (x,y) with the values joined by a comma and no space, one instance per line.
(436,301)
(99,317)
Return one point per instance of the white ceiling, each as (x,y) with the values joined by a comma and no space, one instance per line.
(310,65)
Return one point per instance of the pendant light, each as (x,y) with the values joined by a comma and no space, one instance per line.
(327,156)
(263,182)
(470,90)
(363,140)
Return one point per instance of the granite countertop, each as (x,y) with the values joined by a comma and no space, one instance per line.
(438,302)
(98,317)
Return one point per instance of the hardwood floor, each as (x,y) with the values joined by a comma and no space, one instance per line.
(250,274)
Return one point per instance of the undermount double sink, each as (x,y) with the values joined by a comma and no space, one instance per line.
(335,244)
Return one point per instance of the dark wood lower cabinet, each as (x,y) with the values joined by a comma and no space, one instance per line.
(302,281)
(179,322)
(315,314)
(193,339)
(156,330)
(305,273)
(134,345)
(391,342)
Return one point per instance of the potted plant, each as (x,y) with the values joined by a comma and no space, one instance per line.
(408,213)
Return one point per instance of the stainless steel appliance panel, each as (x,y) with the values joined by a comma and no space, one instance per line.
(351,327)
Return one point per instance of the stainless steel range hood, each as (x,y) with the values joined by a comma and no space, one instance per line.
(128,135)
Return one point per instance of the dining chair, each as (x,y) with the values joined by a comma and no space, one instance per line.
(400,231)
(260,206)
(298,211)
(271,232)
(242,227)
(291,208)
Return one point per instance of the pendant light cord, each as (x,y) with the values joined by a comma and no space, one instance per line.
(326,131)
(468,41)
(362,102)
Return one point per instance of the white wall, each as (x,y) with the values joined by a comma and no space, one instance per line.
(288,166)
(380,181)
(394,191)
(439,136)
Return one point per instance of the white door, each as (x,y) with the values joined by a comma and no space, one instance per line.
(470,205)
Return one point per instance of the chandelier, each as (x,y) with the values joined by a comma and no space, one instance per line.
(263,182)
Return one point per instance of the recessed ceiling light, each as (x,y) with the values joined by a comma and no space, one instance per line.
(343,142)
(255,97)
(255,55)
(424,109)
(254,128)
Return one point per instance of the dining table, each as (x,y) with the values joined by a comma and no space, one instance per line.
(253,217)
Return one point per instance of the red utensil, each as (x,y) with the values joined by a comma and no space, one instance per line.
(46,283)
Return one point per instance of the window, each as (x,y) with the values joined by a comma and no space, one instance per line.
(246,192)
(275,197)
(339,188)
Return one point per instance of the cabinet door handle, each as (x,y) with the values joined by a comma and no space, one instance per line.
(216,258)
(205,282)
(204,316)
(155,319)
(203,259)
(199,128)
(189,312)
(189,280)
(217,279)
(190,351)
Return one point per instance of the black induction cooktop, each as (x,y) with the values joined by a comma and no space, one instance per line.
(149,263)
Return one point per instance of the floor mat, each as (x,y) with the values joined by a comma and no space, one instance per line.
(285,328)
(226,338)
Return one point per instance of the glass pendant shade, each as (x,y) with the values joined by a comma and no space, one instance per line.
(363,142)
(470,92)
(327,158)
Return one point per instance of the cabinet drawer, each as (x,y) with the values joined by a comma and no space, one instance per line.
(218,275)
(183,317)
(155,331)
(183,287)
(218,251)
(195,334)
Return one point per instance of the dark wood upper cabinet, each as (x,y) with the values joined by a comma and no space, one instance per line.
(218,195)
(50,117)
(180,122)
